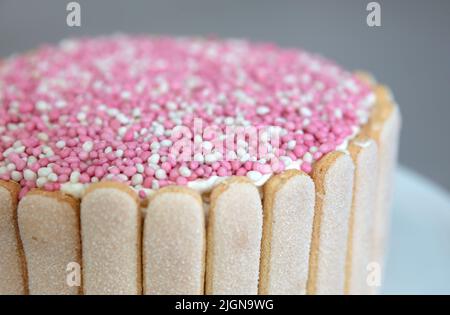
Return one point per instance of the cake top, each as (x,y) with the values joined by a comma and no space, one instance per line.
(157,111)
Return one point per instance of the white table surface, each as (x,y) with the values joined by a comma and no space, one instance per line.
(418,259)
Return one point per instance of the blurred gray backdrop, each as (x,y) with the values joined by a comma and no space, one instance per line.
(410,51)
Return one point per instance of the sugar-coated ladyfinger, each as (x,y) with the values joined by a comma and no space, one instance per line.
(333,178)
(50,232)
(233,238)
(365,157)
(111,238)
(384,128)
(288,217)
(174,243)
(12,261)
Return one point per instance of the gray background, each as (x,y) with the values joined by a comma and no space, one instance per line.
(410,51)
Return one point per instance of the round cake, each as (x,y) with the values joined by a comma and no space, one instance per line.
(163,165)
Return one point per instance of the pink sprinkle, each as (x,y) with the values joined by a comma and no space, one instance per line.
(222,171)
(181,180)
(263,168)
(306,167)
(84,179)
(142,194)
(129,171)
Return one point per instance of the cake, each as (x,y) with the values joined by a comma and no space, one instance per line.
(158,165)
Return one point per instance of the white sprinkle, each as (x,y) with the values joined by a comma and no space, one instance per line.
(53,177)
(140,168)
(262,110)
(231,155)
(16,176)
(171,106)
(136,112)
(207,145)
(338,113)
(244,158)
(154,159)
(88,146)
(31,160)
(60,144)
(60,104)
(81,116)
(3,170)
(43,136)
(41,181)
(229,121)
(20,149)
(166,143)
(254,175)
(13,127)
(218,155)
(241,151)
(11,167)
(119,153)
(8,152)
(48,151)
(286,160)
(137,179)
(155,146)
(42,106)
(126,95)
(29,175)
(122,131)
(198,157)
(307,157)
(185,171)
(264,136)
(123,119)
(198,139)
(291,144)
(210,158)
(160,174)
(74,177)
(158,130)
(305,111)
(44,171)
(155,184)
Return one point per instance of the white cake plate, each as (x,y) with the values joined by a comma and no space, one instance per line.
(418,259)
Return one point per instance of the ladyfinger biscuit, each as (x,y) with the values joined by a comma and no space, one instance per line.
(111,238)
(174,242)
(288,217)
(13,276)
(50,232)
(365,157)
(333,178)
(233,238)
(384,128)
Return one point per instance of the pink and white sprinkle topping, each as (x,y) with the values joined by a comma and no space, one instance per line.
(109,108)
